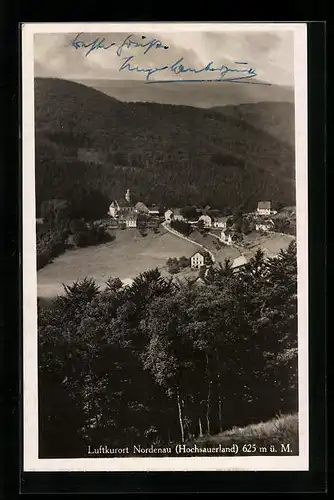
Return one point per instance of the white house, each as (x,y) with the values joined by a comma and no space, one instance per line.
(226,238)
(178,215)
(131,220)
(220,222)
(197,260)
(264,208)
(206,220)
(169,214)
(113,208)
(239,262)
(153,210)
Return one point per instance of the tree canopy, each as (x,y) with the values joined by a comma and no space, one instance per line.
(164,360)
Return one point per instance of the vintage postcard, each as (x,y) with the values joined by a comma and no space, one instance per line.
(165,256)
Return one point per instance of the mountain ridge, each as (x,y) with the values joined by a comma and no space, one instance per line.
(164,153)
(202,95)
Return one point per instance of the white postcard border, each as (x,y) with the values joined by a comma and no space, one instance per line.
(31,462)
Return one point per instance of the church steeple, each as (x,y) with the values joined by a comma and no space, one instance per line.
(128,196)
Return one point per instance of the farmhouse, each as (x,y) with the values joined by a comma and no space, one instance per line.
(197,260)
(264,208)
(219,222)
(226,237)
(264,226)
(206,220)
(113,208)
(131,219)
(239,262)
(169,215)
(178,215)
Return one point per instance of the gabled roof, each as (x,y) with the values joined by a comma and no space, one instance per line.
(114,204)
(264,205)
(140,206)
(201,252)
(265,223)
(125,204)
(177,211)
(128,215)
(239,261)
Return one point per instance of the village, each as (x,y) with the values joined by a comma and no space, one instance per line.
(124,214)
(182,242)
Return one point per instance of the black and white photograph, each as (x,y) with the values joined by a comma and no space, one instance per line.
(165,267)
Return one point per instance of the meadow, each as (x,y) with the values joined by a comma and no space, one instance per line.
(279,434)
(270,243)
(131,254)
(125,257)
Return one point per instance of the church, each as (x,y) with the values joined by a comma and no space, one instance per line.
(121,208)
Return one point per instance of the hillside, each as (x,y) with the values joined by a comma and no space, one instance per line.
(275,118)
(172,155)
(192,94)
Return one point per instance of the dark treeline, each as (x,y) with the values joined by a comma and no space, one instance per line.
(65,227)
(164,361)
(166,154)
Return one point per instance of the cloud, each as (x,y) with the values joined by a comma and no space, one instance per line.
(270,53)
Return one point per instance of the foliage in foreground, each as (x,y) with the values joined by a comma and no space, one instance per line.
(164,361)
(61,231)
(280,433)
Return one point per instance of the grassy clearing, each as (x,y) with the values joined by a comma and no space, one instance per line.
(278,433)
(210,242)
(271,243)
(125,257)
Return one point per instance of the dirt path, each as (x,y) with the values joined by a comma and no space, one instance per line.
(179,235)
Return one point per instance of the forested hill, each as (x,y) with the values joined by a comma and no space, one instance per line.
(275,118)
(166,154)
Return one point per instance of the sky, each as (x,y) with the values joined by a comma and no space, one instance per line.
(269,53)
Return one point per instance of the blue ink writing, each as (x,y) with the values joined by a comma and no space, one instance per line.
(94,45)
(127,66)
(226,74)
(147,45)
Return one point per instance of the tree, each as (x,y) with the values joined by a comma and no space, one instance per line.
(190,212)
(184,262)
(168,355)
(245,226)
(181,226)
(114,284)
(201,273)
(173,265)
(56,210)
(165,360)
(229,222)
(200,226)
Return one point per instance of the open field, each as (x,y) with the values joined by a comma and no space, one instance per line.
(270,243)
(125,257)
(210,242)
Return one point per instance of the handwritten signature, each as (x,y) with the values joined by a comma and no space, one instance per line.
(226,74)
(222,73)
(128,42)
